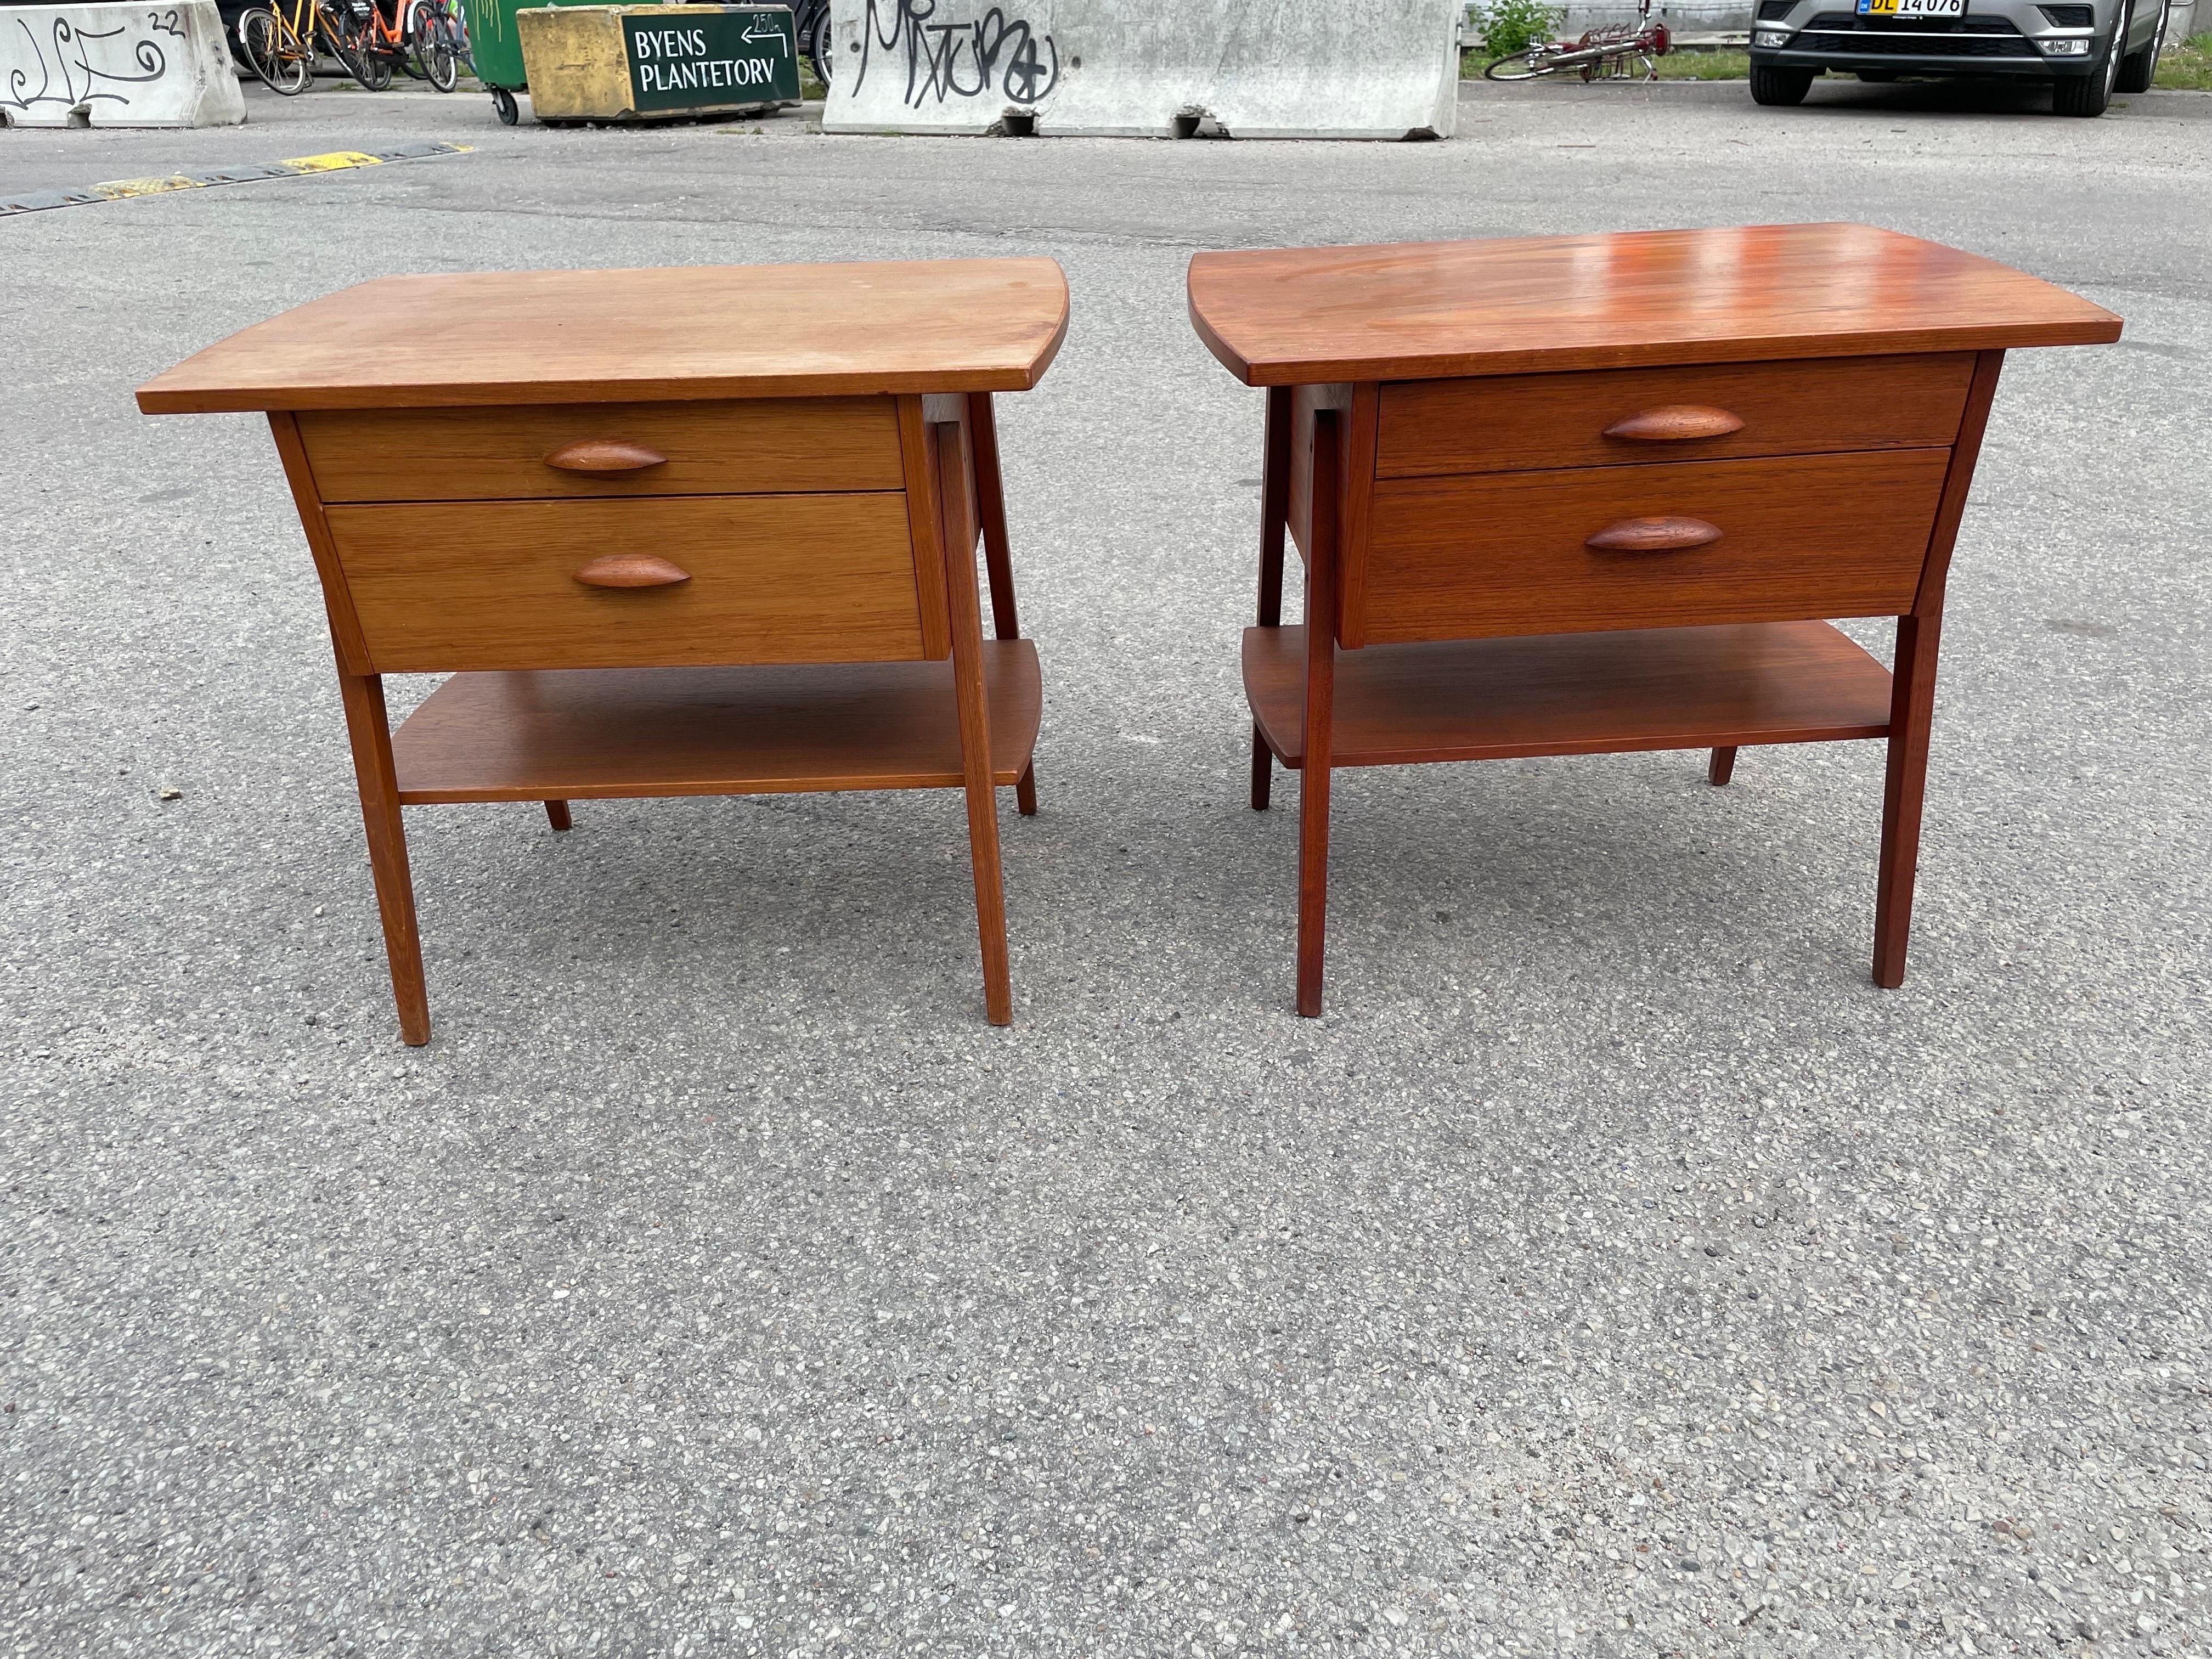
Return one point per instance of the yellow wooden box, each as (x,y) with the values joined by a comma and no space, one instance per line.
(637,63)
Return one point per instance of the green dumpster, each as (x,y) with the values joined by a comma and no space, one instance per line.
(495,48)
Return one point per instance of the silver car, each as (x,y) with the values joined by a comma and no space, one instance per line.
(2086,49)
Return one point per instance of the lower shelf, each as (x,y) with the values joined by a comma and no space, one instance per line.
(1572,693)
(594,733)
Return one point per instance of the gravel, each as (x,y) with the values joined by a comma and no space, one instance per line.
(1613,1271)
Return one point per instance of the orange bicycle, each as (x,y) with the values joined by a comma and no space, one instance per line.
(416,36)
(282,42)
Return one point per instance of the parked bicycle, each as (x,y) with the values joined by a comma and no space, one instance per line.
(419,38)
(811,18)
(283,43)
(442,38)
(1615,51)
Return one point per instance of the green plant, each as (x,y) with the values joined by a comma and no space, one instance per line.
(1698,63)
(2186,65)
(1511,26)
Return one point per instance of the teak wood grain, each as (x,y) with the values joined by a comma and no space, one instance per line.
(1275,460)
(691,332)
(773,579)
(588,734)
(1507,553)
(774,446)
(961,527)
(619,503)
(1437,310)
(1318,709)
(986,485)
(1357,411)
(918,459)
(1572,693)
(1515,422)
(1599,493)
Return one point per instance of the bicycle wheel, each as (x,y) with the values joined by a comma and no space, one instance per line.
(341,34)
(256,30)
(818,46)
(437,52)
(1520,66)
(284,68)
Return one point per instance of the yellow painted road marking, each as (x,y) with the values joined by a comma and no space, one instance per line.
(335,162)
(118,190)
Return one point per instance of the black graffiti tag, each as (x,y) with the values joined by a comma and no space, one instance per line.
(80,77)
(959,60)
(1025,80)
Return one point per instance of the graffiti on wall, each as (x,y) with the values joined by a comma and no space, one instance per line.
(991,56)
(58,63)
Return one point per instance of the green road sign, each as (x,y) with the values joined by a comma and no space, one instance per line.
(716,55)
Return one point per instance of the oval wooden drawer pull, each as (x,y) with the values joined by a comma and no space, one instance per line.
(632,570)
(605,455)
(1655,535)
(1676,423)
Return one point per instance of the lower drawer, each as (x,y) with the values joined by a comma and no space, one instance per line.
(767,579)
(1509,553)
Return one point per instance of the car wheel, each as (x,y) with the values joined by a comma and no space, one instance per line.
(1780,87)
(2091,94)
(2137,68)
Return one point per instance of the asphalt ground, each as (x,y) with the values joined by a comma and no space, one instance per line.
(1615,1270)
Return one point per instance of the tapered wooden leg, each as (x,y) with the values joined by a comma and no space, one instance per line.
(1263,770)
(991,512)
(990,896)
(1274,517)
(1313,880)
(998,552)
(1722,769)
(1320,710)
(1912,706)
(556,814)
(370,732)
(958,541)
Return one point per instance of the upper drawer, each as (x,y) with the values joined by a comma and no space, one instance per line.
(1522,421)
(749,448)
(500,584)
(1818,536)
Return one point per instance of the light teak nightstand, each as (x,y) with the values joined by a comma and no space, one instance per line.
(1576,495)
(689,532)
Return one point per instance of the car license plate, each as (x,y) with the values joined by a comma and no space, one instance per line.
(1912,8)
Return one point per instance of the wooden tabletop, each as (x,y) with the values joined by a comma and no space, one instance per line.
(542,336)
(1440,310)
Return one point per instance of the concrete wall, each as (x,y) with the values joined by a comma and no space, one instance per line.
(152,65)
(1242,69)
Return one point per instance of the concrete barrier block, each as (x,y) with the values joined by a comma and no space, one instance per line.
(164,65)
(1239,69)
